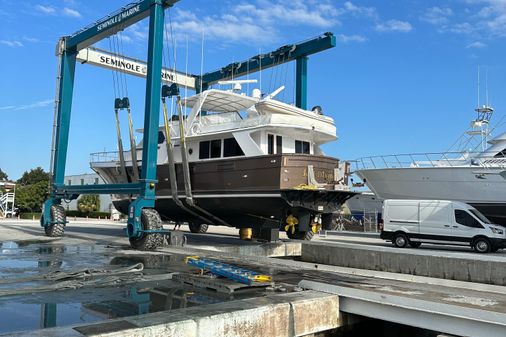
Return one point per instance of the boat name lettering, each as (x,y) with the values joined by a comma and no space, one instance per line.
(322,174)
(118,18)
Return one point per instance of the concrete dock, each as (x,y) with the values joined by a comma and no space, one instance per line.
(315,295)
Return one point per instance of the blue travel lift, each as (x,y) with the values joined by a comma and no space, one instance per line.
(144,228)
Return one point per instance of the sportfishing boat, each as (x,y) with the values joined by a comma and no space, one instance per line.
(476,177)
(227,158)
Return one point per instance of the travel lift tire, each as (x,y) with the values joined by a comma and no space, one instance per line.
(58,222)
(150,220)
(198,228)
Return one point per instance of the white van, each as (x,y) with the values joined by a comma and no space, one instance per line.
(413,222)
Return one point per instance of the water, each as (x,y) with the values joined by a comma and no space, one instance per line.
(88,305)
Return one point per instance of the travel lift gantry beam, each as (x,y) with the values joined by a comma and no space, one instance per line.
(143,221)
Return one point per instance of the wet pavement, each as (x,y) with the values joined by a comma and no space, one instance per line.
(30,311)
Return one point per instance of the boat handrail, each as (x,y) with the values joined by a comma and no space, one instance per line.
(431,159)
(103,157)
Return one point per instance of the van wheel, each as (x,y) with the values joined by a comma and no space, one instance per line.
(400,240)
(482,245)
(415,244)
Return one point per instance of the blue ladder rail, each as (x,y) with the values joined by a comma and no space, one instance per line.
(240,275)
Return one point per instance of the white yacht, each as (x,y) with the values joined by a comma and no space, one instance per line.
(252,161)
(474,177)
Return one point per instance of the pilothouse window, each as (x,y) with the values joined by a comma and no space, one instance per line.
(270,144)
(216,148)
(204,148)
(231,148)
(501,154)
(161,137)
(279,144)
(210,149)
(302,147)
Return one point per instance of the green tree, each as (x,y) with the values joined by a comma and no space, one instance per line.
(34,176)
(3,175)
(89,203)
(29,198)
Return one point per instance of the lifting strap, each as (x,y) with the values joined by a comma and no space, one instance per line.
(170,155)
(133,146)
(186,168)
(120,104)
(123,173)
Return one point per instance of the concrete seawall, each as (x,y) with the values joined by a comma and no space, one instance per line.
(439,264)
(281,315)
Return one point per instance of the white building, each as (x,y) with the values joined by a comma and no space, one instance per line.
(88,179)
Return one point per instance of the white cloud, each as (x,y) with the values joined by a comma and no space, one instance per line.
(476,45)
(11,43)
(30,39)
(461,28)
(263,21)
(45,9)
(359,10)
(39,104)
(437,15)
(480,19)
(294,12)
(71,12)
(226,28)
(394,26)
(350,38)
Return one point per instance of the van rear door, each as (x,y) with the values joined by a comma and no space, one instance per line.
(435,219)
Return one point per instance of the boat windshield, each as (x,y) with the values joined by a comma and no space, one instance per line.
(479,215)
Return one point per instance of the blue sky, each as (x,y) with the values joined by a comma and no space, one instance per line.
(401,79)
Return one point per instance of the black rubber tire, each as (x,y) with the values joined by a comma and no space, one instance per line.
(306,236)
(198,228)
(400,240)
(150,220)
(57,215)
(482,245)
(415,244)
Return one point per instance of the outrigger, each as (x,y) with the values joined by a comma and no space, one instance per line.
(243,161)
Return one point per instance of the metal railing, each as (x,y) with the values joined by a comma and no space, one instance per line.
(364,222)
(102,157)
(7,199)
(441,159)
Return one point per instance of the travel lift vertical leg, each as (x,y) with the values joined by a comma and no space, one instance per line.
(53,215)
(140,220)
(144,224)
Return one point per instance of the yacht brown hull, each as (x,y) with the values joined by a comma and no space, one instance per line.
(246,192)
